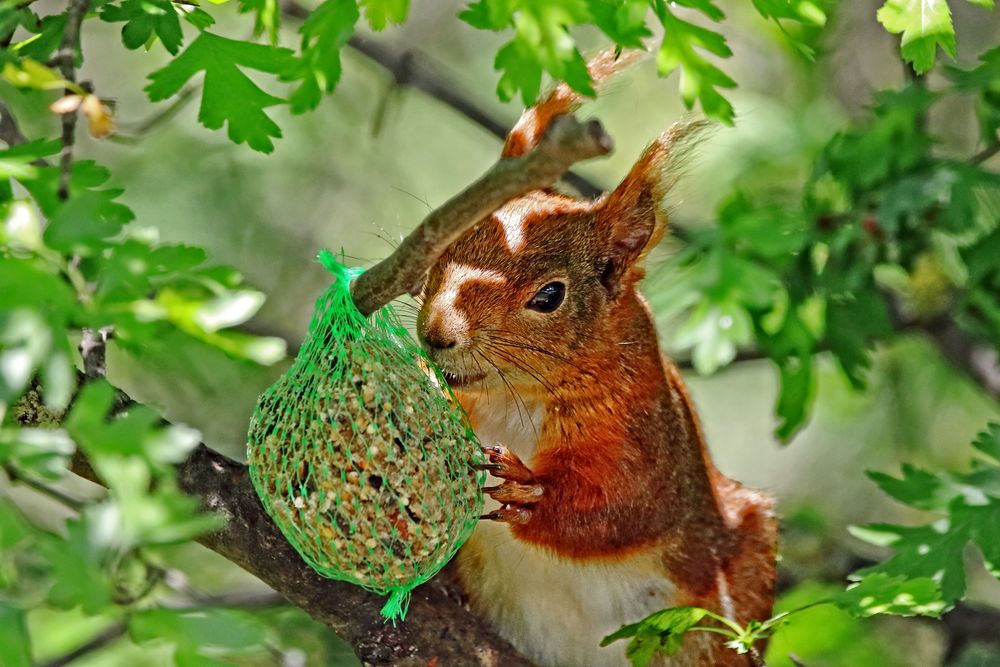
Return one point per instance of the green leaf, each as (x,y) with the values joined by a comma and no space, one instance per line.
(853,323)
(382,12)
(970,503)
(229,96)
(324,34)
(917,488)
(43,45)
(144,18)
(791,347)
(624,21)
(15,644)
(137,433)
(77,562)
(899,596)
(31,74)
(715,331)
(197,17)
(659,633)
(268,17)
(13,16)
(803,11)
(83,223)
(924,24)
(489,14)
(700,79)
(988,442)
(40,451)
(984,82)
(25,339)
(521,72)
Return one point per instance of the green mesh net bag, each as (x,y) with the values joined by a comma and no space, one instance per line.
(362,456)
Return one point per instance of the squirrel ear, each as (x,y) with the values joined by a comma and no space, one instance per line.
(633,214)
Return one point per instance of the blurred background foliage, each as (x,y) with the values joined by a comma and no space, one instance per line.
(369,163)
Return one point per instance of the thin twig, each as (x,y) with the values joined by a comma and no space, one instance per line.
(566,142)
(66,58)
(41,487)
(108,636)
(142,128)
(10,133)
(985,154)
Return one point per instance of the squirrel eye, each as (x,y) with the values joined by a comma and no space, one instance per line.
(548,298)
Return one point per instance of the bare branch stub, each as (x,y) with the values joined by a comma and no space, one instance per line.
(567,141)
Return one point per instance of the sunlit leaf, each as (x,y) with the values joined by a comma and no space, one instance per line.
(229,96)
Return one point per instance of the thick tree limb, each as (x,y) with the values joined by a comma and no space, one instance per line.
(566,142)
(436,626)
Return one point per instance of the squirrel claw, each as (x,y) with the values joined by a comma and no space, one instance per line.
(514,515)
(514,493)
(505,464)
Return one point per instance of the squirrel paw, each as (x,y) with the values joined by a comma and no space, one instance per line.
(518,491)
(505,464)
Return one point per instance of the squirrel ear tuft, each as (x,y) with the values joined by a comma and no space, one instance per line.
(634,213)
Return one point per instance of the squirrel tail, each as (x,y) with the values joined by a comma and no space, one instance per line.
(562,100)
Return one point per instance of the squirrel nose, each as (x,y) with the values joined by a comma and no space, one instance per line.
(438,340)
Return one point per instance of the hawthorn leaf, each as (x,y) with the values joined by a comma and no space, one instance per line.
(15,643)
(324,34)
(660,632)
(489,14)
(700,79)
(623,21)
(229,96)
(143,19)
(268,17)
(382,12)
(896,595)
(924,25)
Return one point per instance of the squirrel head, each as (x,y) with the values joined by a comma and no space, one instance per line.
(545,279)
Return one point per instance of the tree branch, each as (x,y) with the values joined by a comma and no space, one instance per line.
(435,627)
(106,637)
(566,142)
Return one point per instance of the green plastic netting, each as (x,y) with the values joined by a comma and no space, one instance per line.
(361,454)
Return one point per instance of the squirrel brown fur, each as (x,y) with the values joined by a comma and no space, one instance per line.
(607,505)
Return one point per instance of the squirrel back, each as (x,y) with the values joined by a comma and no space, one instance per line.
(607,505)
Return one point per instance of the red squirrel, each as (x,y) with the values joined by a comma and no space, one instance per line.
(607,505)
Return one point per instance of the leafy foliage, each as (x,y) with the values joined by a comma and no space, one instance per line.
(887,232)
(968,505)
(144,19)
(924,25)
(229,97)
(884,229)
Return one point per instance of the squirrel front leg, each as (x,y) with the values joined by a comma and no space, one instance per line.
(519,490)
(572,502)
